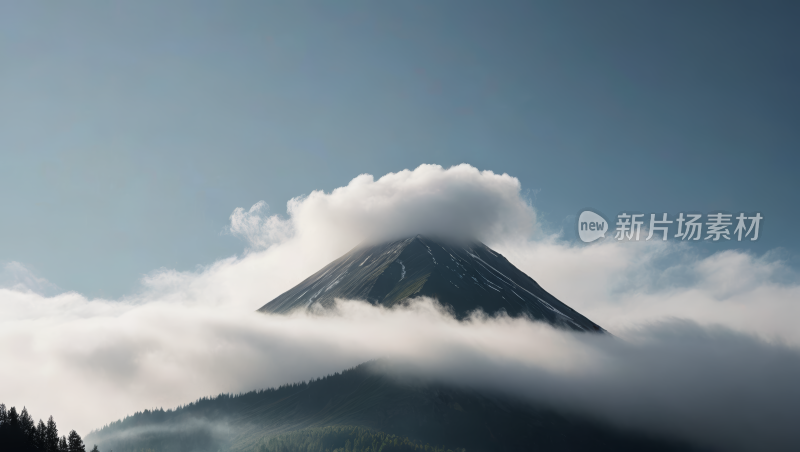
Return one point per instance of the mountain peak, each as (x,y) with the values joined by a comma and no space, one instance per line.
(465,277)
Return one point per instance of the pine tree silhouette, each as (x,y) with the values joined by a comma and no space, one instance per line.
(26,424)
(62,444)
(40,440)
(75,443)
(51,436)
(3,414)
(13,417)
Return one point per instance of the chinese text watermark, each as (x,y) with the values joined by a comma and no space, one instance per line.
(717,226)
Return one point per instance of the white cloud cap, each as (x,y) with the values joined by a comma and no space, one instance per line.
(460,202)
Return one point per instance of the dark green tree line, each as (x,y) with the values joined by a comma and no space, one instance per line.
(19,432)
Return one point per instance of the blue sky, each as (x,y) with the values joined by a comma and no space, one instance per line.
(129,132)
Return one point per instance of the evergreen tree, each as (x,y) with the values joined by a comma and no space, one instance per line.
(13,417)
(62,444)
(26,424)
(75,442)
(3,414)
(51,436)
(94,449)
(40,439)
(34,433)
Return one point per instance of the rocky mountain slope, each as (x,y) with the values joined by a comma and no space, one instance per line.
(464,277)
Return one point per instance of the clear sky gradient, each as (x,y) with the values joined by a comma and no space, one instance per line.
(129,131)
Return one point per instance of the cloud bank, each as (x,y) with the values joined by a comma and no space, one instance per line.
(721,375)
(619,285)
(710,385)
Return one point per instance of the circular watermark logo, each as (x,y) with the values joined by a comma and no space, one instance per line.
(591,226)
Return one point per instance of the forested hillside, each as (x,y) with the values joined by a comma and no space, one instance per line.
(415,413)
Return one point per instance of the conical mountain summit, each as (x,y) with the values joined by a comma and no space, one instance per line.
(464,277)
